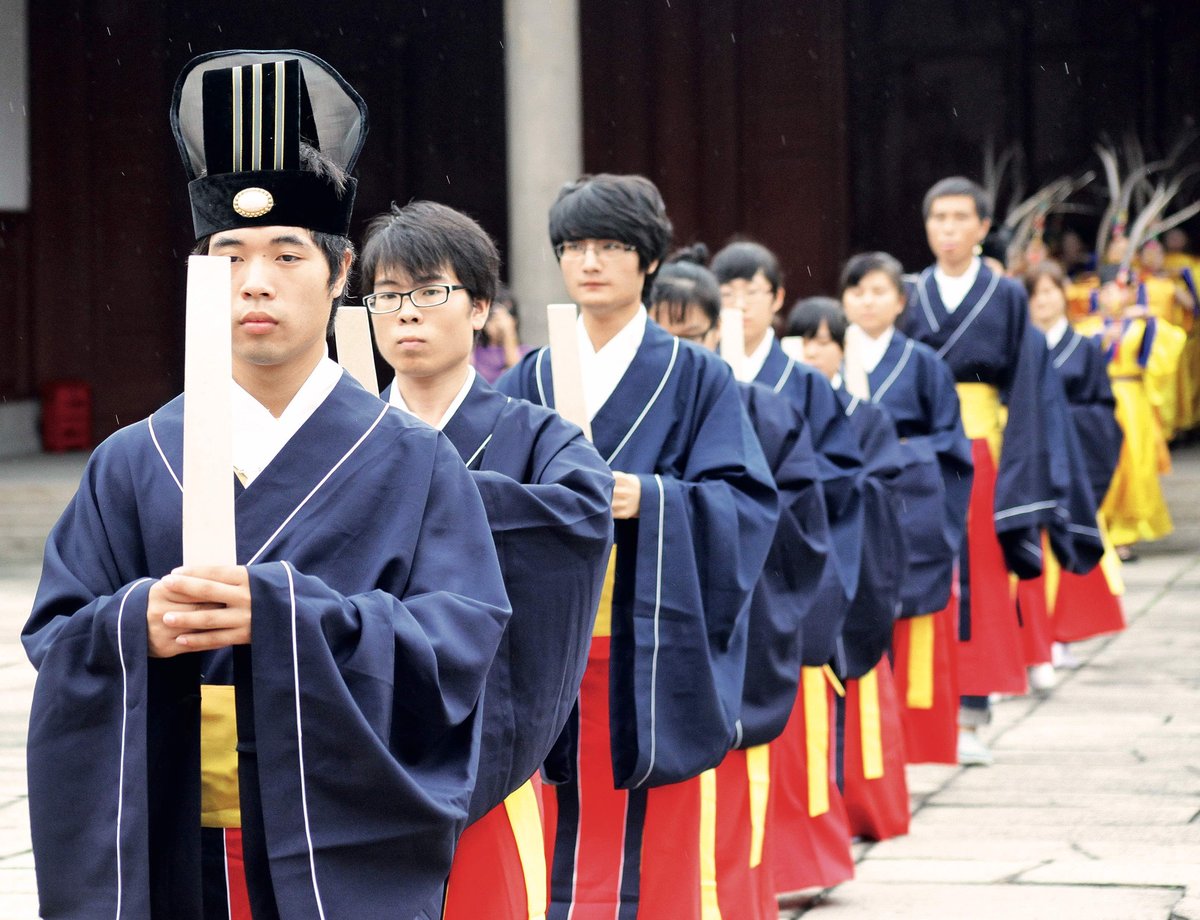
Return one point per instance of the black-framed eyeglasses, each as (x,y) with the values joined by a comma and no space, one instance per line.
(427,295)
(574,250)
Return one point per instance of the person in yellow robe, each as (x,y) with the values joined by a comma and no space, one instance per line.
(1138,352)
(1169,299)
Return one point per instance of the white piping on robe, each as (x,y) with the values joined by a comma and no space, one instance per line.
(312,858)
(124,726)
(657,610)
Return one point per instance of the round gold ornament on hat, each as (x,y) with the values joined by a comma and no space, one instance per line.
(253,202)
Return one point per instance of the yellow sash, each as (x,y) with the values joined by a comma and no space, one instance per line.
(982,414)
(525,818)
(870,724)
(920,662)
(219,802)
(603,626)
(816,737)
(710,908)
(758,768)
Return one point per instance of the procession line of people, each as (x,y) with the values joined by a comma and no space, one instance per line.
(477,660)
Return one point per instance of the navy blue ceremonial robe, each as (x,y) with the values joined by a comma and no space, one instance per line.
(378,606)
(1081,367)
(867,632)
(840,462)
(548,496)
(793,571)
(916,389)
(1040,483)
(687,565)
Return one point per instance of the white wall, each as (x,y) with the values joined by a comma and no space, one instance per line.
(14,106)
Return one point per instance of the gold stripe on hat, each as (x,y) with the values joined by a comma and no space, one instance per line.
(237,119)
(256,103)
(279,119)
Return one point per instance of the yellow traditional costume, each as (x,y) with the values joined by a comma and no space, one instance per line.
(1134,508)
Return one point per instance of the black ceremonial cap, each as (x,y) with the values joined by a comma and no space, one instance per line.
(240,118)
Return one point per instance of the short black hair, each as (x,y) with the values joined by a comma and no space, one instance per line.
(424,238)
(604,206)
(809,313)
(684,281)
(959,185)
(333,246)
(741,260)
(863,264)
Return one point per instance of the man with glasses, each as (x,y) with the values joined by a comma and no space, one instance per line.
(696,510)
(296,735)
(433,272)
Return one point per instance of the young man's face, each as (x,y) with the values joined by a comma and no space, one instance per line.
(874,303)
(426,341)
(758,304)
(282,293)
(822,353)
(602,276)
(694,327)
(954,229)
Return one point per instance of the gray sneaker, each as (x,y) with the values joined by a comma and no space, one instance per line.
(972,752)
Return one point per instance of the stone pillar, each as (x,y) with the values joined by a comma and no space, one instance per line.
(545,144)
(14,106)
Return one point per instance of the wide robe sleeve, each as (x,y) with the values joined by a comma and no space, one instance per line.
(839,460)
(867,632)
(786,591)
(1093,409)
(366,727)
(551,518)
(702,538)
(87,746)
(1040,480)
(934,489)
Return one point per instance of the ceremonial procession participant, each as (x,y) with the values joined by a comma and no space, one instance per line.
(916,388)
(737,868)
(1088,605)
(696,512)
(1134,508)
(433,272)
(1014,412)
(752,281)
(1171,303)
(351,641)
(871,737)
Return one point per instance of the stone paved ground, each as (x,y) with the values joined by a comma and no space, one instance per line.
(1092,809)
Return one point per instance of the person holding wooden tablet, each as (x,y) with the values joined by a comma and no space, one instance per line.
(432,272)
(296,735)
(696,511)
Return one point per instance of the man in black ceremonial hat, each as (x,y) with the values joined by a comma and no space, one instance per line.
(295,736)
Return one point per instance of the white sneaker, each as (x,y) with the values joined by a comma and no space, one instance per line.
(1042,678)
(972,752)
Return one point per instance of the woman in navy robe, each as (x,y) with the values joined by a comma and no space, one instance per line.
(916,388)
